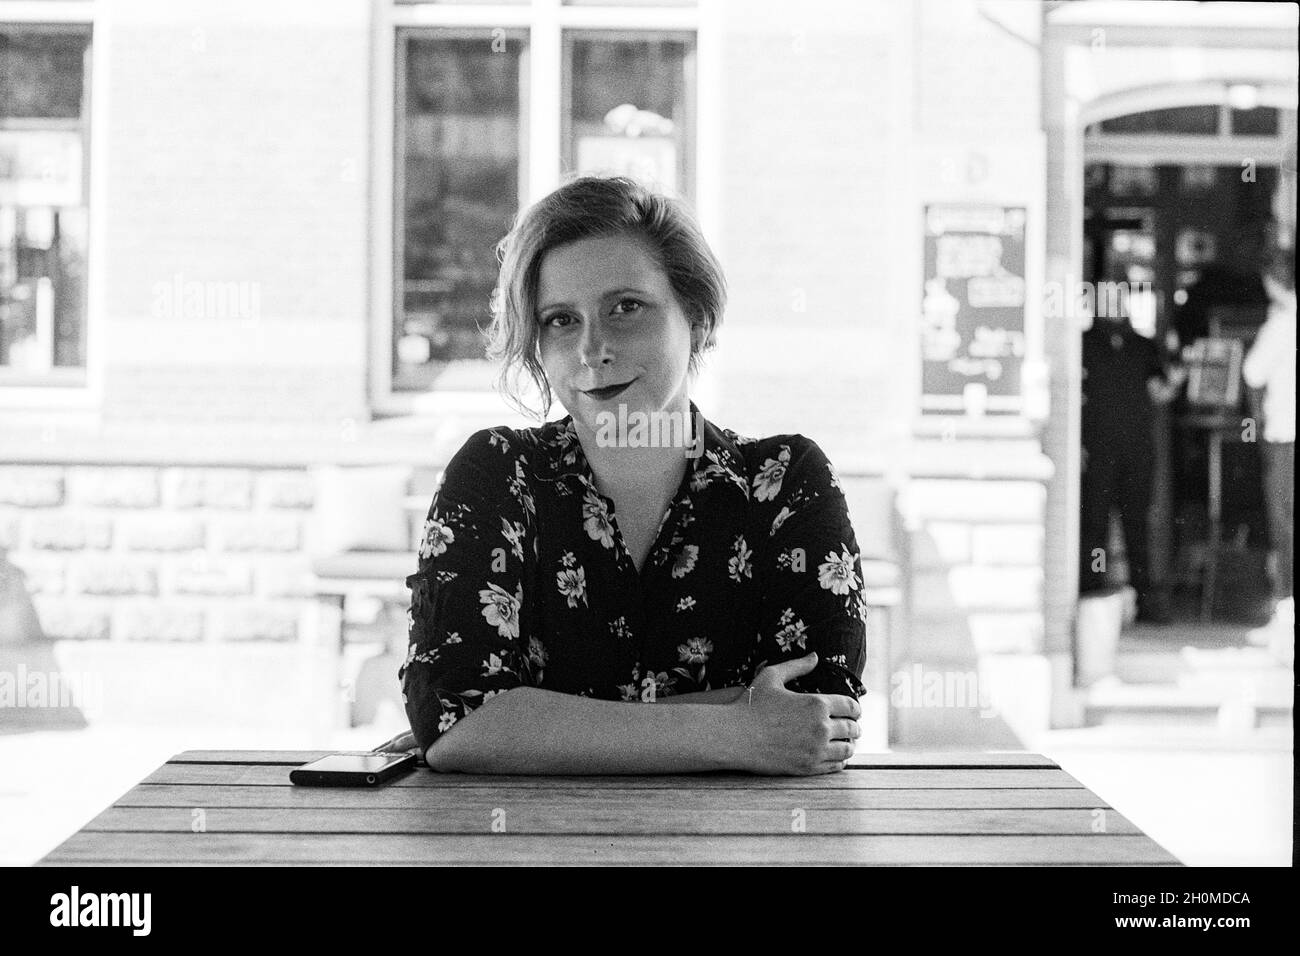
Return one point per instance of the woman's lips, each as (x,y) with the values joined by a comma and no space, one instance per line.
(612,391)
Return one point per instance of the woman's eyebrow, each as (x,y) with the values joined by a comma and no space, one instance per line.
(621,290)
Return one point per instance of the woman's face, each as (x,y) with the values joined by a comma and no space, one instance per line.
(612,332)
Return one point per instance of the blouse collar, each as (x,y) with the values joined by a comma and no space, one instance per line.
(720,463)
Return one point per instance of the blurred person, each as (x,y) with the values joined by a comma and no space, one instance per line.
(1270,366)
(568,584)
(1124,377)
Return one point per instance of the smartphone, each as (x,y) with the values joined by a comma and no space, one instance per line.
(352,769)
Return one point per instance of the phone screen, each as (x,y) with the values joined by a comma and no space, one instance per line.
(354,763)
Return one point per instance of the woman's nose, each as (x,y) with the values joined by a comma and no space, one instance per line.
(593,346)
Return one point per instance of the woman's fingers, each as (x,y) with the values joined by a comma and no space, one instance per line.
(845,730)
(842,706)
(837,750)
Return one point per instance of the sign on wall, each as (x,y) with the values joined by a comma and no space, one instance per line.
(973,309)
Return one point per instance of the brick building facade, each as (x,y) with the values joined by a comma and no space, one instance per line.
(241,194)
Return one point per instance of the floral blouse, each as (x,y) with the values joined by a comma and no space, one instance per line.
(524,579)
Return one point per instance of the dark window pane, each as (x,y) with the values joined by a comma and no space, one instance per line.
(459,132)
(628,110)
(1187,120)
(43,238)
(1134,180)
(1257,122)
(42,72)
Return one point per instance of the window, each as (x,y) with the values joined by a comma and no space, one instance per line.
(1261,121)
(626,107)
(44,120)
(490,112)
(1186,120)
(459,145)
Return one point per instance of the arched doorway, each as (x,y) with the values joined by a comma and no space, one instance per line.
(1101,62)
(1177,194)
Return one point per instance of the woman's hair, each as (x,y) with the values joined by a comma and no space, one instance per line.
(586,207)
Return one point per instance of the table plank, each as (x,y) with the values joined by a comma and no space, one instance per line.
(396,798)
(927,759)
(904,809)
(805,848)
(873,778)
(636,817)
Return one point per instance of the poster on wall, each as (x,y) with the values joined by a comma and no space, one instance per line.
(973,310)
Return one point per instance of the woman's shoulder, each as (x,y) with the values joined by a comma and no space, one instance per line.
(784,466)
(516,453)
(787,447)
(507,441)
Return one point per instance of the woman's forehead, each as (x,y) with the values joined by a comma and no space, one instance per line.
(590,268)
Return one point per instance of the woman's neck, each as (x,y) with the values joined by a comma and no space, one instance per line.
(622,465)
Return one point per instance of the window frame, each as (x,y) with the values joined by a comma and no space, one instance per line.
(544,23)
(401,35)
(81,387)
(1153,149)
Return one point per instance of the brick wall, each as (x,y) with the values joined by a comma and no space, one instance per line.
(975,608)
(161,553)
(235,291)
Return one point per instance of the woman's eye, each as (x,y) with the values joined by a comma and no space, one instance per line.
(627,305)
(558,320)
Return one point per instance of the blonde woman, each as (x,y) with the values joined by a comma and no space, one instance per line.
(631,588)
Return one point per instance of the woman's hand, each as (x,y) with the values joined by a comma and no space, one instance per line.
(782,732)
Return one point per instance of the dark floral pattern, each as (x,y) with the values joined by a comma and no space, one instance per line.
(524,579)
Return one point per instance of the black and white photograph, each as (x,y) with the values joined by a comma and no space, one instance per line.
(648,433)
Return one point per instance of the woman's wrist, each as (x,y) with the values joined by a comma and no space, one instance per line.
(734,733)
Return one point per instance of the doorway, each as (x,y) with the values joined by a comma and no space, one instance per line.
(1177,205)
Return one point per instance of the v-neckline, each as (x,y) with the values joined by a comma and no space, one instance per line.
(655,541)
(665,520)
(588,478)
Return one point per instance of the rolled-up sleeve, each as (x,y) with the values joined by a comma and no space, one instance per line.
(467,640)
(811,574)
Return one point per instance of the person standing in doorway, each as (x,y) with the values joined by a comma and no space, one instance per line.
(1270,365)
(1123,378)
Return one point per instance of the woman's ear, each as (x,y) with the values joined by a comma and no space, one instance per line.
(699,335)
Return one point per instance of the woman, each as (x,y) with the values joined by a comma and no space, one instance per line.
(576,575)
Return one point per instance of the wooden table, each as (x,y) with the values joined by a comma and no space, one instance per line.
(238,807)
